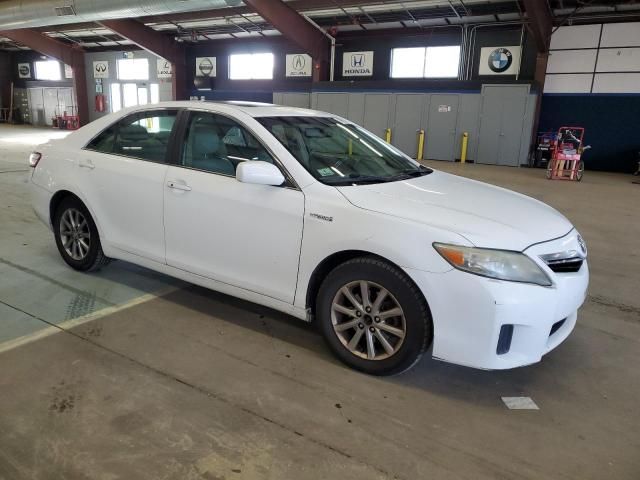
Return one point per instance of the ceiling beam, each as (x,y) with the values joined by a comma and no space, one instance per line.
(298,30)
(158,44)
(70,55)
(306,5)
(540,23)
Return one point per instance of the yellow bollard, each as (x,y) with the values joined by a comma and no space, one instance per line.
(420,144)
(387,135)
(463,152)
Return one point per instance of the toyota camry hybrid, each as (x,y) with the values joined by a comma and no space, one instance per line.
(307,213)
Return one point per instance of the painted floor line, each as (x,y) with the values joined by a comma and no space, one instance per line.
(74,322)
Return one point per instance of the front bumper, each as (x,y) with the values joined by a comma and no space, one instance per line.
(470,311)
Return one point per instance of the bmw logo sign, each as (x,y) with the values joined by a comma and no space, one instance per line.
(500,60)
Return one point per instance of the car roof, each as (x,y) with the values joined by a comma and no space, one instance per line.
(254,109)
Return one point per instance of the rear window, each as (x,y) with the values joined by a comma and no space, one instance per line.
(143,135)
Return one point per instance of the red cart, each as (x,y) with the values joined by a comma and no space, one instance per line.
(566,160)
(66,121)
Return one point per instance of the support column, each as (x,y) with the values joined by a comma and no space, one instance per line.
(540,26)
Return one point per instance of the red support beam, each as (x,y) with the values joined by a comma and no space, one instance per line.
(540,23)
(158,44)
(70,55)
(541,26)
(297,29)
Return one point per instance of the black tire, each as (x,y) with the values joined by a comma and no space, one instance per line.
(95,258)
(417,316)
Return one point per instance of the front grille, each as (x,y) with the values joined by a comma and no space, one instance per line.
(565,265)
(556,326)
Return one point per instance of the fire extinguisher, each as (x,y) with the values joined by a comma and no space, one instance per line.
(100,103)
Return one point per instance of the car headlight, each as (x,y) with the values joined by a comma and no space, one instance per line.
(498,264)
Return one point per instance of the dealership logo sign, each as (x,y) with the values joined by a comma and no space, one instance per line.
(500,60)
(205,66)
(298,62)
(101,69)
(298,65)
(357,64)
(24,70)
(163,68)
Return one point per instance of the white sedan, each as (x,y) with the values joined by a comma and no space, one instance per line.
(307,213)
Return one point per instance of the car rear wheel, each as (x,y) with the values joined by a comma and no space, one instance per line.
(373,316)
(77,237)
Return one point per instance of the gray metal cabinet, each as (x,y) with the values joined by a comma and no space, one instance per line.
(292,99)
(441,127)
(408,120)
(468,115)
(376,113)
(502,122)
(337,103)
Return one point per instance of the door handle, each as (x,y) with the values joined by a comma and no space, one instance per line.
(86,164)
(178,186)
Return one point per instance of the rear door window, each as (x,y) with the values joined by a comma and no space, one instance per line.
(143,135)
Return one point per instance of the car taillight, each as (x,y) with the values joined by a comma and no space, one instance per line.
(34,158)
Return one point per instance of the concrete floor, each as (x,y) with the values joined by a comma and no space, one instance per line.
(145,377)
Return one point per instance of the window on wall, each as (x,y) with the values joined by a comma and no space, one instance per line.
(133,69)
(425,62)
(407,62)
(116,101)
(48,70)
(251,66)
(154,90)
(442,62)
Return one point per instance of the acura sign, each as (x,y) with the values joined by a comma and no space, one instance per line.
(299,65)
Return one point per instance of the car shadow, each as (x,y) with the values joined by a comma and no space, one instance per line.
(430,375)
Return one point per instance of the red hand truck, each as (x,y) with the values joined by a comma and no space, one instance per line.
(566,160)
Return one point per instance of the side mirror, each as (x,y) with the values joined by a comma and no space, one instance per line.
(259,173)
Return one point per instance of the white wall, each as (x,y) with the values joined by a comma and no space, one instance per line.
(165,84)
(594,59)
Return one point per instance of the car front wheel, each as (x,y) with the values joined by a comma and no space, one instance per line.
(373,316)
(77,237)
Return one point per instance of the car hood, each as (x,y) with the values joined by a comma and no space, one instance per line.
(488,216)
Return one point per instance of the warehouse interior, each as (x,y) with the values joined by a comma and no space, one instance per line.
(128,373)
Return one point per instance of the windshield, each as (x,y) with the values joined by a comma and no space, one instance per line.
(340,153)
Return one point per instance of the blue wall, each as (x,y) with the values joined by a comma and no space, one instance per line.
(611,122)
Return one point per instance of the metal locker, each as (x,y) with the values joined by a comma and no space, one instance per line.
(441,127)
(501,124)
(408,120)
(376,113)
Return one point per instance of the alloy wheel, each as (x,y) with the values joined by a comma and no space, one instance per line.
(368,320)
(75,234)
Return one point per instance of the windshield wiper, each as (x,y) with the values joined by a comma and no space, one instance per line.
(360,180)
(354,179)
(422,170)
